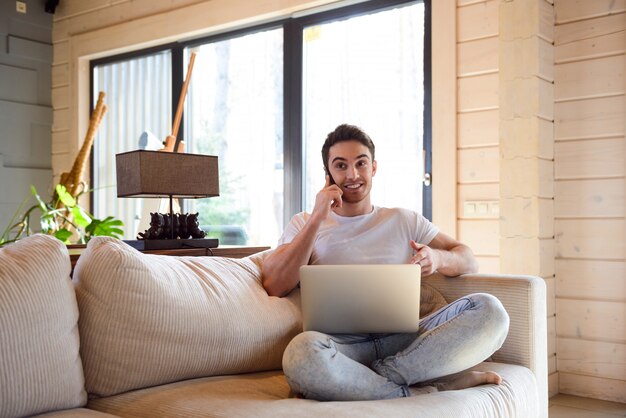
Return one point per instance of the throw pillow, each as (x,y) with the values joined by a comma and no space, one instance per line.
(40,367)
(147,320)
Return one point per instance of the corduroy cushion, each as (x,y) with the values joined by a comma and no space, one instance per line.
(40,367)
(147,320)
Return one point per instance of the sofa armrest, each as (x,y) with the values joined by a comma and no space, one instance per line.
(524,298)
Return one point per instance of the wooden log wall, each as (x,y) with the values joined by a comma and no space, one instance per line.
(589,197)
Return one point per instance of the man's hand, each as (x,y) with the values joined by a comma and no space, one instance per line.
(426,257)
(328,198)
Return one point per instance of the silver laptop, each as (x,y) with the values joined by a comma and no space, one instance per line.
(367,298)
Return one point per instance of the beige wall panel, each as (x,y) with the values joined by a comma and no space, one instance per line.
(444,124)
(546,60)
(488,264)
(537,259)
(71,8)
(479,165)
(482,236)
(592,387)
(60,75)
(478,128)
(527,97)
(551,334)
(468,2)
(601,46)
(526,177)
(62,162)
(589,159)
(601,239)
(61,120)
(589,78)
(550,296)
(589,198)
(569,10)
(591,279)
(551,363)
(546,21)
(60,97)
(60,30)
(592,358)
(527,138)
(525,57)
(539,20)
(478,20)
(553,384)
(478,93)
(590,118)
(94,14)
(477,57)
(60,53)
(483,192)
(591,320)
(60,142)
(588,28)
(527,217)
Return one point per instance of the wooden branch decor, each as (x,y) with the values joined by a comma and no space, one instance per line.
(170,141)
(73,180)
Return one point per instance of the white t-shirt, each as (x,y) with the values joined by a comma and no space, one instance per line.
(379,237)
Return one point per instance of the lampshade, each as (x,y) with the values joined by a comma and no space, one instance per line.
(164,174)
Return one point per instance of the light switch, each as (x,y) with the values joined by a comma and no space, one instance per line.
(483,208)
(469,208)
(20,6)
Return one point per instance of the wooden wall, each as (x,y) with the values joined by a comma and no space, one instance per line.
(575,154)
(478,151)
(589,197)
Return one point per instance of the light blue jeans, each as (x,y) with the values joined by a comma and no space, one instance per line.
(382,366)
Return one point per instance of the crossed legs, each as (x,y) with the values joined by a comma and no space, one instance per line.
(373,366)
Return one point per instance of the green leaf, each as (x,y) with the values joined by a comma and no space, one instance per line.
(81,217)
(63,235)
(41,203)
(65,197)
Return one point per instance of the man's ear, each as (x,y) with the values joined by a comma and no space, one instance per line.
(374,165)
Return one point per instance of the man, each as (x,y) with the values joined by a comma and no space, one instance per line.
(345,228)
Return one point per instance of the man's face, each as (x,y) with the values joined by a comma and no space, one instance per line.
(351,167)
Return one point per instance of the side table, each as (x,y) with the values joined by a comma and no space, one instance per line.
(224,251)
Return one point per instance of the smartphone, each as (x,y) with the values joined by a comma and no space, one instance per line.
(330,177)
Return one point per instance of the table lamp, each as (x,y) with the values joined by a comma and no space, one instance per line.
(156,174)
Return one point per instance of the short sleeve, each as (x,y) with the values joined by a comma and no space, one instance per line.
(426,231)
(293,228)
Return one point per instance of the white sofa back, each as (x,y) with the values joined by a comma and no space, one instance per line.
(40,366)
(147,320)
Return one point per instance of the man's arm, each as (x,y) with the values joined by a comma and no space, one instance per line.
(281,269)
(445,255)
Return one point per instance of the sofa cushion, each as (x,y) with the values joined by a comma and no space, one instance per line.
(267,395)
(40,367)
(146,320)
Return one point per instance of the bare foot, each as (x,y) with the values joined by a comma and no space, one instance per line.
(470,379)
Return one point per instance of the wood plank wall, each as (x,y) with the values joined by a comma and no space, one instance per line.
(478,152)
(589,197)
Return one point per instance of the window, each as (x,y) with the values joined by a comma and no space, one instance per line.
(263,100)
(234,111)
(138,93)
(368,71)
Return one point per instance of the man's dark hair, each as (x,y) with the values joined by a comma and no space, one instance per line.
(346,132)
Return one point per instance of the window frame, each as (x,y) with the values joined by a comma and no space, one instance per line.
(293,200)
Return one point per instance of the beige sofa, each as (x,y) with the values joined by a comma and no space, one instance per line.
(140,335)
